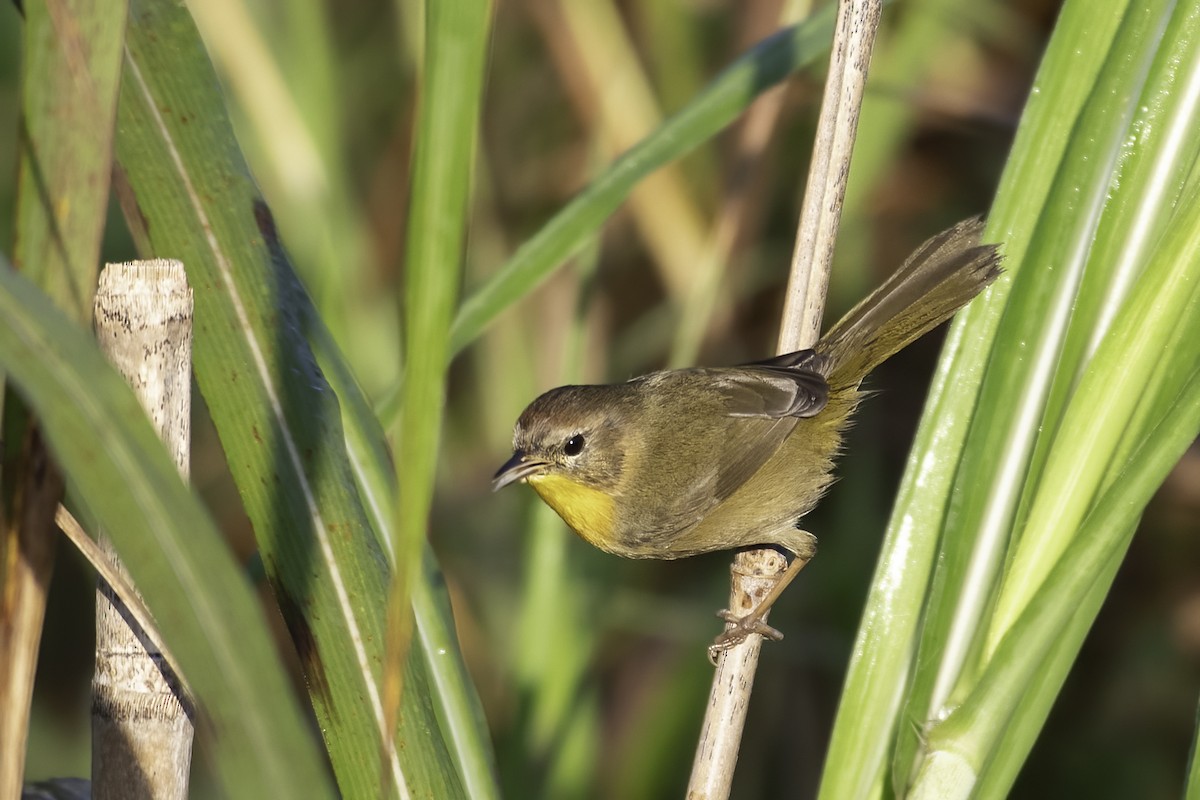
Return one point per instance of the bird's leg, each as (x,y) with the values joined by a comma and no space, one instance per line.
(755,622)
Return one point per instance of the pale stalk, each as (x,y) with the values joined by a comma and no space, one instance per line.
(756,571)
(141,724)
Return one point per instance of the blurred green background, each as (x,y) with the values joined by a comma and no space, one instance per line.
(602,695)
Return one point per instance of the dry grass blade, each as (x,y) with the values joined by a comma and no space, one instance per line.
(120,584)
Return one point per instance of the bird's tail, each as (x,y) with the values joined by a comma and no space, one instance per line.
(942,276)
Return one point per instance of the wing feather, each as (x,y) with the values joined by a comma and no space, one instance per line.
(767,398)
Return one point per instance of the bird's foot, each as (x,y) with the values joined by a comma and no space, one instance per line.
(743,627)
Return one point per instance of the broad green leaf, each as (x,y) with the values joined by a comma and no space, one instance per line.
(1103,537)
(1129,151)
(69,104)
(204,607)
(1159,154)
(71,62)
(1098,411)
(1048,267)
(453,695)
(186,194)
(1163,147)
(1011,412)
(877,687)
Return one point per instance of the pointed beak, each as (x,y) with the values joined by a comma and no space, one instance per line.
(517,468)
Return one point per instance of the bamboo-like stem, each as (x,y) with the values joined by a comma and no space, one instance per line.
(853,40)
(141,728)
(812,258)
(756,571)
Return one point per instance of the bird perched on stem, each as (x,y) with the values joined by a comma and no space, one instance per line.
(681,462)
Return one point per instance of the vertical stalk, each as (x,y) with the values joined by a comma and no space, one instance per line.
(756,571)
(141,724)
(27,557)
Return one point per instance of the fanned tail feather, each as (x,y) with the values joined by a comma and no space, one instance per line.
(942,276)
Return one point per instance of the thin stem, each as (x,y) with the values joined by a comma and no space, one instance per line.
(121,585)
(754,572)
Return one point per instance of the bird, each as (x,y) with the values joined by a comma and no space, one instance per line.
(681,462)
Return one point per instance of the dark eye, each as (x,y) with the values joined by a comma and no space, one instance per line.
(574,445)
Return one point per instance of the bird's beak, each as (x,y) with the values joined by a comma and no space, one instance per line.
(517,468)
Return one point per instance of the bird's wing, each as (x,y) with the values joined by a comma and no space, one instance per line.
(768,398)
(761,404)
(772,389)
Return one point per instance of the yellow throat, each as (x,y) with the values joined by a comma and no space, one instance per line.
(589,512)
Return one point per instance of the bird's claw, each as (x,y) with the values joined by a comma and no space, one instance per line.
(743,626)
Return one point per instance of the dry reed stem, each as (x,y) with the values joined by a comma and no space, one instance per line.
(854,37)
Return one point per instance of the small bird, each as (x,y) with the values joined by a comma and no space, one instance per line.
(681,462)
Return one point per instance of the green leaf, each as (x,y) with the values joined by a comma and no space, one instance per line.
(569,231)
(447,125)
(1049,260)
(1150,179)
(1104,398)
(186,194)
(1101,539)
(1066,209)
(453,695)
(1064,404)
(69,104)
(202,603)
(886,674)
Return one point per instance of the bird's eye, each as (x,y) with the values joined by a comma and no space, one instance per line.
(574,445)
